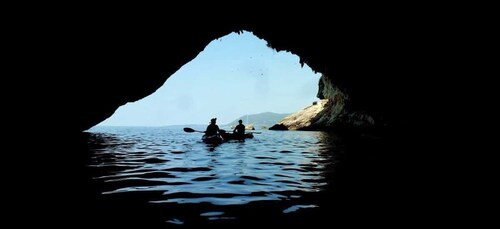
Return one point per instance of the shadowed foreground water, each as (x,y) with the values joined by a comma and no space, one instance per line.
(166,176)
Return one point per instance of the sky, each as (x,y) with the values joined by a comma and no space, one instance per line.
(233,76)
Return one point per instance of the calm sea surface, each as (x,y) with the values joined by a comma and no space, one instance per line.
(178,180)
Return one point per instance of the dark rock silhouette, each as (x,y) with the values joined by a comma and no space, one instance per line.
(278,127)
(100,68)
(84,65)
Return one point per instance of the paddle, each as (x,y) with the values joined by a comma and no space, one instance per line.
(246,132)
(252,132)
(189,130)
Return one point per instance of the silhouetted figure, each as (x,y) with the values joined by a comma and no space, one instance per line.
(239,130)
(212,129)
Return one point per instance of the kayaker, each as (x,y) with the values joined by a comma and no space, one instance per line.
(212,129)
(239,130)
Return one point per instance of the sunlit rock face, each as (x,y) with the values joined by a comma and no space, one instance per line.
(100,64)
(329,113)
(307,117)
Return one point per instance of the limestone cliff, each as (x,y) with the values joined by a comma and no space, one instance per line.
(329,113)
(306,117)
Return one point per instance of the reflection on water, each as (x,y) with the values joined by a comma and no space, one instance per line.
(185,181)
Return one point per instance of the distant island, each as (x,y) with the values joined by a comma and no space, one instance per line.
(259,121)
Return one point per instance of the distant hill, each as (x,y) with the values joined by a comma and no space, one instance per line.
(266,119)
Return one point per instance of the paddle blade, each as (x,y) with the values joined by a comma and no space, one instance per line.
(189,130)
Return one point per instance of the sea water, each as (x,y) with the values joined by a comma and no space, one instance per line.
(165,176)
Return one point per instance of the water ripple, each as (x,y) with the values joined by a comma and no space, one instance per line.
(177,169)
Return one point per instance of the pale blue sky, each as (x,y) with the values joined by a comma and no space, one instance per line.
(234,76)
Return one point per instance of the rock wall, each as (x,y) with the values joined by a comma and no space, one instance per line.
(305,118)
(330,113)
(86,67)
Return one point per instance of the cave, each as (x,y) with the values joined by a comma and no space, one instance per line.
(96,65)
(370,60)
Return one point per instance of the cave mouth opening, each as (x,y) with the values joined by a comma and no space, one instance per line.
(234,76)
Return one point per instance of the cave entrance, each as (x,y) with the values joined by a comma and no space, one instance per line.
(234,76)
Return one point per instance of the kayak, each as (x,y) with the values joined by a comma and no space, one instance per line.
(224,137)
(212,139)
(230,136)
